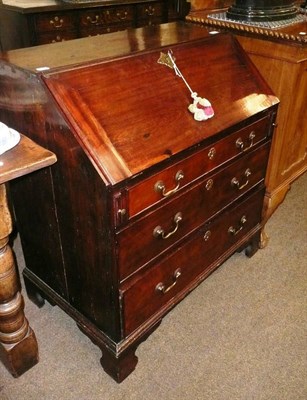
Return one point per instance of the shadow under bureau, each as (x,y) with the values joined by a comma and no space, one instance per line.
(144,201)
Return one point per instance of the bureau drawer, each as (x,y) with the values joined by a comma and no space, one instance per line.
(93,22)
(149,236)
(174,276)
(55,22)
(149,21)
(100,30)
(168,182)
(54,37)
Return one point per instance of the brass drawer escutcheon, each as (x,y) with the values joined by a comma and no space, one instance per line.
(240,144)
(235,182)
(161,286)
(160,187)
(211,153)
(207,236)
(209,184)
(58,39)
(234,231)
(159,232)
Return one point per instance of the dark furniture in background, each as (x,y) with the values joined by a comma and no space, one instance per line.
(144,201)
(50,21)
(280,54)
(259,10)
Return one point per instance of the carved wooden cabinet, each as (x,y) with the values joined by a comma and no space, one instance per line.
(33,23)
(144,201)
(280,54)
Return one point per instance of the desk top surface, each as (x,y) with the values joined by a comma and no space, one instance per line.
(108,46)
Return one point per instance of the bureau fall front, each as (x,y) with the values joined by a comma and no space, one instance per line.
(144,201)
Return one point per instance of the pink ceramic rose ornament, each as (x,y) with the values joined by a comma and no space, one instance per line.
(201,108)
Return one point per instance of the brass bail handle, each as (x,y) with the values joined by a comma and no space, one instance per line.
(160,186)
(235,182)
(234,231)
(164,289)
(93,21)
(241,145)
(159,232)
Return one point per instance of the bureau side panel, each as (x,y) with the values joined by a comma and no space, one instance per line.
(22,107)
(61,211)
(82,202)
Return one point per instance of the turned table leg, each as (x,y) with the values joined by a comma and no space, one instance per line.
(18,346)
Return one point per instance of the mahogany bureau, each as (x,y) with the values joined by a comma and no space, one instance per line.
(144,201)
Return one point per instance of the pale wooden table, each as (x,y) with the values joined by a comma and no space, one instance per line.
(18,345)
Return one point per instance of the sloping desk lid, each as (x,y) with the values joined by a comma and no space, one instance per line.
(132,112)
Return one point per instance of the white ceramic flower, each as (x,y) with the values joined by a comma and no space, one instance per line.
(9,138)
(201,108)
